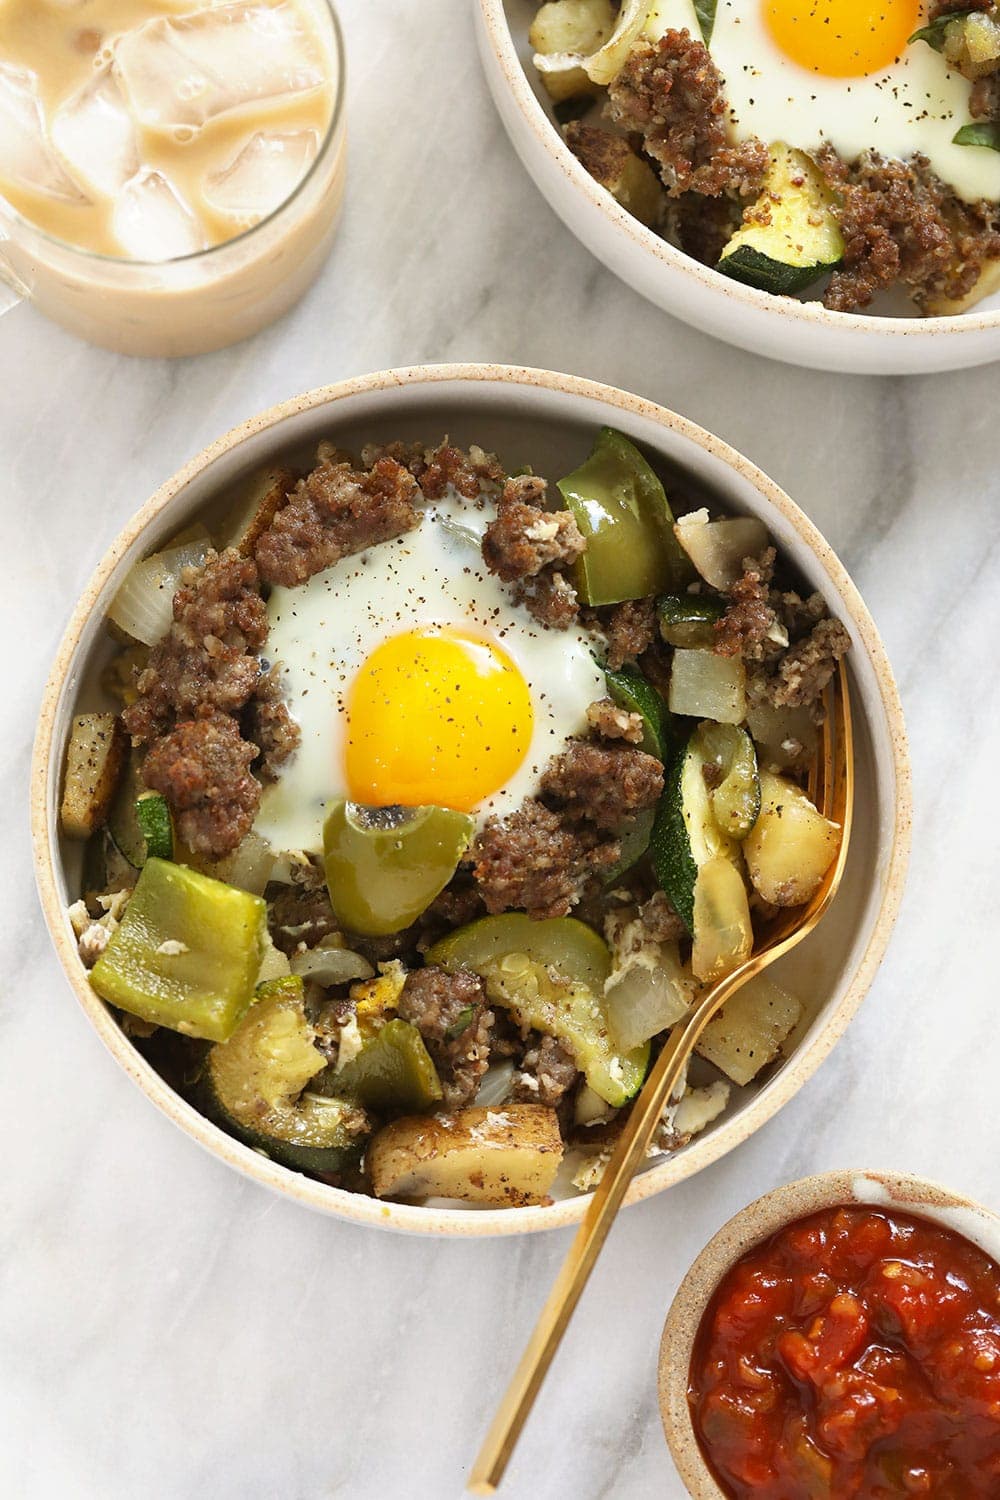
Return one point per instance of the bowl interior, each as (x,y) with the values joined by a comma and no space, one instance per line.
(893,305)
(756,1222)
(548,422)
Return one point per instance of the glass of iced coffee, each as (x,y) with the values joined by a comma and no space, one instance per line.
(171,172)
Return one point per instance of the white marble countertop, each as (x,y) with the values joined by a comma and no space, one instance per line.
(168,1330)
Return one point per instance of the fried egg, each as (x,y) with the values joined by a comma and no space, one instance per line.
(417,680)
(808,72)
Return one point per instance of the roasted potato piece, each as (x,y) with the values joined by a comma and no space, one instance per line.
(611,161)
(508,1157)
(571,26)
(791,846)
(253,514)
(95,759)
(988,283)
(750,1029)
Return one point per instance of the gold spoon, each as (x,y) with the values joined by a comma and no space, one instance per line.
(831,787)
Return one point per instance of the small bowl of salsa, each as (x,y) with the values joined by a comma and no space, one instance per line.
(839,1339)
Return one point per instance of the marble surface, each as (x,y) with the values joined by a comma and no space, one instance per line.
(168,1330)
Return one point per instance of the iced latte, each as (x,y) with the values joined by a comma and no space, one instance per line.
(170,174)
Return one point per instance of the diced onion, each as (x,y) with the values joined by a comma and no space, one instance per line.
(496,1085)
(607,62)
(143,606)
(706,686)
(329,965)
(651,995)
(249,867)
(718,548)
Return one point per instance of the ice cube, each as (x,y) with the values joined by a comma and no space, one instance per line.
(263,174)
(151,222)
(26,158)
(181,72)
(94,134)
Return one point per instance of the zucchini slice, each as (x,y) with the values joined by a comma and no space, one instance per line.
(685,834)
(630,690)
(257,1084)
(790,235)
(156,825)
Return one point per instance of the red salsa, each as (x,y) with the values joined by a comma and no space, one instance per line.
(856,1353)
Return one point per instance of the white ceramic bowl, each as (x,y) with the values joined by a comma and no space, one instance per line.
(801,333)
(548,420)
(756,1222)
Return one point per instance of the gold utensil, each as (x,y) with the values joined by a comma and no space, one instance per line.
(831,787)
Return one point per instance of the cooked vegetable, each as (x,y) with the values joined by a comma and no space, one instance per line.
(330,963)
(621,509)
(735,798)
(718,548)
(630,690)
(685,834)
(602,64)
(980,133)
(254,512)
(705,12)
(105,867)
(143,607)
(985,286)
(95,761)
(498,1080)
(723,931)
(384,866)
(611,161)
(186,954)
(688,619)
(790,235)
(791,846)
(571,27)
(589,1108)
(704,685)
(783,735)
(749,1031)
(650,993)
(550,975)
(257,1082)
(392,1074)
(508,1157)
(156,825)
(122,819)
(249,867)
(969,40)
(634,843)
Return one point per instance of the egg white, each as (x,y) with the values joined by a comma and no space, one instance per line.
(322,631)
(914,106)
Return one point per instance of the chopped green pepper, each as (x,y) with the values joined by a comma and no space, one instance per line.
(187,952)
(384,866)
(621,509)
(550,975)
(392,1074)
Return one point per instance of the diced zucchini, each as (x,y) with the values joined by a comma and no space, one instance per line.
(718,549)
(630,690)
(688,620)
(550,975)
(790,235)
(391,1075)
(156,825)
(704,685)
(736,799)
(95,760)
(620,507)
(186,954)
(507,1156)
(384,866)
(634,842)
(685,834)
(750,1029)
(791,846)
(258,1083)
(723,931)
(968,40)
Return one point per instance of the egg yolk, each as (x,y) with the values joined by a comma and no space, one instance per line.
(842,38)
(435,717)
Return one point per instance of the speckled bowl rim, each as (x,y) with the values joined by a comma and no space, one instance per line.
(763,1217)
(815,314)
(408,1217)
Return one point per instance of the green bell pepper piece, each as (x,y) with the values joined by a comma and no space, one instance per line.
(187,953)
(384,866)
(392,1074)
(621,509)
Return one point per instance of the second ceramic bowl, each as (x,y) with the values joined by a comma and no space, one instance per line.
(548,421)
(800,333)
